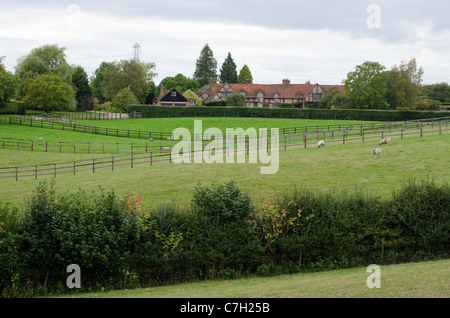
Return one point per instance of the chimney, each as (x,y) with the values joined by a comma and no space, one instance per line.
(211,82)
(247,81)
(161,90)
(286,83)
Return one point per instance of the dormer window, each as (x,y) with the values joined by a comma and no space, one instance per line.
(260,95)
(243,93)
(299,96)
(276,95)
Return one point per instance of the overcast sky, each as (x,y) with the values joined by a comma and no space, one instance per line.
(320,41)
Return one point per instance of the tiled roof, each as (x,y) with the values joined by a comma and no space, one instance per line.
(284,90)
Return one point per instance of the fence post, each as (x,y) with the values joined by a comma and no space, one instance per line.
(74,167)
(35,172)
(362,131)
(343,137)
(93,165)
(132,160)
(17,172)
(55,170)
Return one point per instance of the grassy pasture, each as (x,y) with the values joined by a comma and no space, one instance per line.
(413,280)
(333,168)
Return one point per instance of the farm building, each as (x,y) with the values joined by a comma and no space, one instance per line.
(171,97)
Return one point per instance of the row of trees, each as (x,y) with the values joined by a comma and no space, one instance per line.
(206,68)
(46,81)
(371,86)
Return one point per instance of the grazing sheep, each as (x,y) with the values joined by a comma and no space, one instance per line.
(169,139)
(377,151)
(39,139)
(321,143)
(150,139)
(164,148)
(384,141)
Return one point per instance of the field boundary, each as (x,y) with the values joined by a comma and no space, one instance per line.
(300,140)
(78,147)
(78,127)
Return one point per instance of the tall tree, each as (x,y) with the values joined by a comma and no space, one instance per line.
(404,85)
(127,73)
(367,86)
(9,84)
(50,93)
(244,75)
(44,60)
(228,72)
(80,83)
(96,80)
(206,66)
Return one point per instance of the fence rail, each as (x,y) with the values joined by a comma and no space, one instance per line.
(79,147)
(299,140)
(77,127)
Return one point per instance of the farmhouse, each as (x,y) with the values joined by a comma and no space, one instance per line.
(172,97)
(269,95)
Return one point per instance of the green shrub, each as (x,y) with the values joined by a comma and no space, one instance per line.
(97,231)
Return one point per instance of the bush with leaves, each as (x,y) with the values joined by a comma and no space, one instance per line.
(97,231)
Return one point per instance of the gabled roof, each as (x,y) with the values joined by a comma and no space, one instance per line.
(167,94)
(284,91)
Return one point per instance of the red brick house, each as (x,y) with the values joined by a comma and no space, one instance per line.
(269,95)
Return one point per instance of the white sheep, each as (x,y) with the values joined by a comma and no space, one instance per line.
(39,139)
(169,139)
(164,148)
(150,139)
(321,143)
(384,141)
(377,151)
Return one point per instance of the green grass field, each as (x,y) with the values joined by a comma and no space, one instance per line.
(337,167)
(334,168)
(413,280)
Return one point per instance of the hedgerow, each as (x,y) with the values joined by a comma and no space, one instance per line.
(222,234)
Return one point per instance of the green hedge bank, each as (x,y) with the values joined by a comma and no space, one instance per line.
(349,114)
(118,244)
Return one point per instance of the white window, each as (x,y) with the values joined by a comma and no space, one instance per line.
(260,95)
(244,94)
(299,96)
(173,94)
(192,102)
(276,95)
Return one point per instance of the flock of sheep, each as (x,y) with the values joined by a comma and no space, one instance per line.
(375,151)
